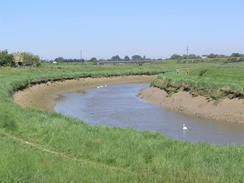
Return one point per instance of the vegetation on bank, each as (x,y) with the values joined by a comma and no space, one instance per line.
(214,82)
(87,153)
(18,59)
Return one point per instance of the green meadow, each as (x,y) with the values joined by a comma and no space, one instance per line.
(46,147)
(213,81)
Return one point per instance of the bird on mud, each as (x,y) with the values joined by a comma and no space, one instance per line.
(101,86)
(184,128)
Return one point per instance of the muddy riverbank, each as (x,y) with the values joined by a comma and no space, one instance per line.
(43,96)
(228,110)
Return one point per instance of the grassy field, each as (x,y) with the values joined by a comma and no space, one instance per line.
(42,147)
(223,80)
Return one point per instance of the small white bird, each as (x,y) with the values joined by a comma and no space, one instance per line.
(98,86)
(184,128)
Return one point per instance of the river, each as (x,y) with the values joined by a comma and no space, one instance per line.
(118,106)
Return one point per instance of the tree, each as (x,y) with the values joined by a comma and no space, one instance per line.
(59,59)
(236,55)
(192,56)
(116,58)
(136,57)
(215,56)
(175,57)
(6,59)
(127,58)
(93,59)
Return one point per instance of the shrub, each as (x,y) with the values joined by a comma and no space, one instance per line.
(6,59)
(26,59)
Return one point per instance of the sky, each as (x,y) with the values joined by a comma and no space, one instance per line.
(103,28)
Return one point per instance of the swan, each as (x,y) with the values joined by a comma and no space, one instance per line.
(184,127)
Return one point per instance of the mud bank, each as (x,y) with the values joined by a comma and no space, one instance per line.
(43,96)
(228,110)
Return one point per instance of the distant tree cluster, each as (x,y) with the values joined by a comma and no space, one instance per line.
(19,59)
(127,58)
(61,59)
(93,59)
(235,59)
(212,55)
(237,55)
(180,57)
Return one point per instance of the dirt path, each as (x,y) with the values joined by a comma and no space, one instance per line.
(228,110)
(43,96)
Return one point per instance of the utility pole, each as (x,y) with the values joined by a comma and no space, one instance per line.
(187,51)
(80,54)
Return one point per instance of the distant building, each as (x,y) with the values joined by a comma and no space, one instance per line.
(18,58)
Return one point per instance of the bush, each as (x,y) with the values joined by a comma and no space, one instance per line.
(6,59)
(26,59)
(235,59)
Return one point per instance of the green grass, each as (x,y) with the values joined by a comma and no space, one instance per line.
(102,154)
(211,81)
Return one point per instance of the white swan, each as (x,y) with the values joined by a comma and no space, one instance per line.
(102,86)
(184,127)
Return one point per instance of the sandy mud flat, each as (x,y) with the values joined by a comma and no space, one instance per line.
(228,110)
(43,96)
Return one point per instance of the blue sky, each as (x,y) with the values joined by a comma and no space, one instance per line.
(103,28)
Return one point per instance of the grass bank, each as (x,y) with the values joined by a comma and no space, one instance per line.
(42,147)
(213,82)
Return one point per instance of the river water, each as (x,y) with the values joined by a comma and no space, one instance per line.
(118,106)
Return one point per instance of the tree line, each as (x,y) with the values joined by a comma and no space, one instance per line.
(113,58)
(212,55)
(18,59)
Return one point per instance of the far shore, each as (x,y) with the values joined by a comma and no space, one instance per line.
(226,110)
(44,96)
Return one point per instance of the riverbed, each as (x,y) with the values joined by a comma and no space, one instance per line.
(118,106)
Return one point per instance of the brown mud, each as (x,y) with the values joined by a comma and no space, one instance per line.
(42,95)
(228,110)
